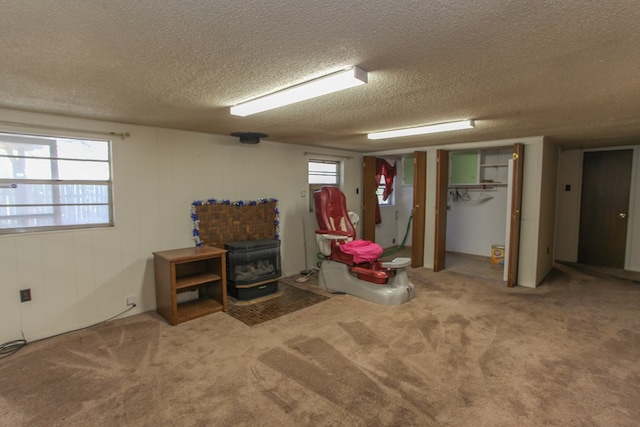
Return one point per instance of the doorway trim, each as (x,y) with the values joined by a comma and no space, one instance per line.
(516,215)
(442,182)
(440,232)
(418,211)
(369,186)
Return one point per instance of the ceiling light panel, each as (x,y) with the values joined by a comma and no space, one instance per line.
(321,86)
(421,130)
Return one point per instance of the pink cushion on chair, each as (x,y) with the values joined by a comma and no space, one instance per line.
(362,250)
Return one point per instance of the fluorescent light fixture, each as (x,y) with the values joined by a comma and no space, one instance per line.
(313,88)
(421,130)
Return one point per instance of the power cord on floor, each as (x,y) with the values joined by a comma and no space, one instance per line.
(305,277)
(11,347)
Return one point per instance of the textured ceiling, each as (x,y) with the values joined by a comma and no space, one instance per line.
(566,69)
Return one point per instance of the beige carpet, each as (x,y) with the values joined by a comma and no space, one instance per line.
(464,352)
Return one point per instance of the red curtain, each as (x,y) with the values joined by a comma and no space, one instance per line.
(384,168)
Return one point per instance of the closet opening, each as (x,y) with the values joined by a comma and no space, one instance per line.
(478,212)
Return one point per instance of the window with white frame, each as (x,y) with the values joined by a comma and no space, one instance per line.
(380,192)
(54,183)
(321,173)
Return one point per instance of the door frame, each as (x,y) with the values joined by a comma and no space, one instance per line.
(418,211)
(442,191)
(516,215)
(440,228)
(369,187)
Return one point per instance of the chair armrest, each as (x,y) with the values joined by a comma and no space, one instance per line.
(333,234)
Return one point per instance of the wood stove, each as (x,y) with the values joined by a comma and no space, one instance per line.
(253,268)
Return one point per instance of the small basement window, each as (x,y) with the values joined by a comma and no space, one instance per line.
(54,183)
(321,173)
(380,191)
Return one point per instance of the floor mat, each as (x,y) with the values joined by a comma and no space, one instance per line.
(290,299)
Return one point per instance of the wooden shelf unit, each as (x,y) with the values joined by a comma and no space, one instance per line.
(201,269)
(479,167)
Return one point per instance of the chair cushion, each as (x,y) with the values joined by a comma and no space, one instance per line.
(362,250)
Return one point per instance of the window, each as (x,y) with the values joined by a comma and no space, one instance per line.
(386,182)
(53,183)
(380,192)
(322,172)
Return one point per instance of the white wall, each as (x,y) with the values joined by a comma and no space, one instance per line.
(475,225)
(387,230)
(568,205)
(81,277)
(568,208)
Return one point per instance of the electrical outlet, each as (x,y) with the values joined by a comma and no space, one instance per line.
(132,301)
(25,295)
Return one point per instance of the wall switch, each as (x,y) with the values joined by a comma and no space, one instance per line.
(25,295)
(303,193)
(132,300)
(567,187)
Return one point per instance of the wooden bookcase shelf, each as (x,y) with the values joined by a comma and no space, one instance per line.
(195,279)
(201,269)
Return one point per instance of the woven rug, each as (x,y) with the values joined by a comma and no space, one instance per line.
(287,300)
